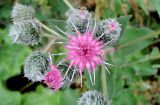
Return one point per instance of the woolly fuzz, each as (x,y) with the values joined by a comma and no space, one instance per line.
(72,74)
(22,12)
(36,65)
(80,18)
(108,31)
(26,32)
(93,97)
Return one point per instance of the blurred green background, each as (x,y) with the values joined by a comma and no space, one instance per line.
(135,78)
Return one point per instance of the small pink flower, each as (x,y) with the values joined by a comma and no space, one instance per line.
(84,51)
(112,24)
(82,14)
(53,78)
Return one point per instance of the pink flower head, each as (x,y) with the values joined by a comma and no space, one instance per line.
(53,78)
(84,51)
(112,24)
(82,14)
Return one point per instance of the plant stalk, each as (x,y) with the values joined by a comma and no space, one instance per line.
(104,82)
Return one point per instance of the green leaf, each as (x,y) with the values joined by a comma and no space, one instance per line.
(155,52)
(111,82)
(145,69)
(157,5)
(123,20)
(118,82)
(8,97)
(70,97)
(5,11)
(12,57)
(142,100)
(42,96)
(143,6)
(46,96)
(140,64)
(125,98)
(131,35)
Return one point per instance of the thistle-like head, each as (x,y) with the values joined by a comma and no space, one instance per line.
(26,32)
(22,12)
(36,66)
(53,78)
(84,51)
(108,30)
(93,97)
(80,18)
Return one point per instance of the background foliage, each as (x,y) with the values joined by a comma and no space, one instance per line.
(135,78)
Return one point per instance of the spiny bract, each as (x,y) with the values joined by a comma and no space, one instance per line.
(26,32)
(108,31)
(93,97)
(81,19)
(72,74)
(36,66)
(22,12)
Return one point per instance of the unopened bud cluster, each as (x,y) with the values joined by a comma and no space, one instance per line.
(107,31)
(85,49)
(25,28)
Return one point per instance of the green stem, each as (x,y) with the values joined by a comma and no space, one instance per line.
(26,86)
(104,82)
(47,35)
(68,4)
(49,29)
(49,44)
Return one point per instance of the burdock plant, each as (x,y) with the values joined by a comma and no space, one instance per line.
(84,44)
(84,49)
(26,28)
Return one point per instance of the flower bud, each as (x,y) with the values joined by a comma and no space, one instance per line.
(53,78)
(26,32)
(36,66)
(81,19)
(108,31)
(72,72)
(22,12)
(93,97)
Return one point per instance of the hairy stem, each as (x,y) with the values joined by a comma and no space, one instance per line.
(47,47)
(103,81)
(49,29)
